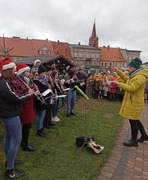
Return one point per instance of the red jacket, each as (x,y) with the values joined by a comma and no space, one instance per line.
(28,114)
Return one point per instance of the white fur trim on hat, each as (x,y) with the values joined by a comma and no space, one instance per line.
(37,60)
(20,71)
(9,66)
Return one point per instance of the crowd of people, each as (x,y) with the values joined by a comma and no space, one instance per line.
(26,92)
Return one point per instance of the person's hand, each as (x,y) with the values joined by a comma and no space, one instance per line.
(37,92)
(115,82)
(30,92)
(116,69)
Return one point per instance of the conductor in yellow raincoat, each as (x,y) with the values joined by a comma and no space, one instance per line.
(133,102)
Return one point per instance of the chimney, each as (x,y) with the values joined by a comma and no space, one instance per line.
(16,37)
(79,43)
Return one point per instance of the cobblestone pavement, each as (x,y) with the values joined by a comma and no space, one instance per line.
(127,163)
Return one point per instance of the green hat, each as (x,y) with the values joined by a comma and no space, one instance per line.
(136,63)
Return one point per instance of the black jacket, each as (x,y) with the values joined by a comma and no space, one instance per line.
(10,103)
(71,83)
(38,104)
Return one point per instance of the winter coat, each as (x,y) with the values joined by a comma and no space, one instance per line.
(133,101)
(146,86)
(10,103)
(38,104)
(113,88)
(28,114)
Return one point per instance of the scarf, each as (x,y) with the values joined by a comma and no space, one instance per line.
(41,79)
(18,87)
(135,71)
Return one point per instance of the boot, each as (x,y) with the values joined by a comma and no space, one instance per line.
(28,147)
(131,143)
(45,134)
(41,133)
(144,136)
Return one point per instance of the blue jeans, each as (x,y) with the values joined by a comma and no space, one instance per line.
(71,97)
(12,140)
(40,119)
(55,108)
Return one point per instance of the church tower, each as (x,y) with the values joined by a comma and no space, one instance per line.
(93,40)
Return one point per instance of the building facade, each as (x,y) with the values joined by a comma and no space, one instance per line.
(85,56)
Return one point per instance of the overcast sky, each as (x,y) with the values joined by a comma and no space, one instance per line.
(119,23)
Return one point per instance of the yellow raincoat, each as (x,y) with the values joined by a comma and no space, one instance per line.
(133,101)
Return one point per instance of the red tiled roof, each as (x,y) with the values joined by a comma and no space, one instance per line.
(62,48)
(25,47)
(111,54)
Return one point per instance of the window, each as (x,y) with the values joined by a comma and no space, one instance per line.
(80,55)
(87,56)
(75,55)
(92,56)
(44,51)
(97,56)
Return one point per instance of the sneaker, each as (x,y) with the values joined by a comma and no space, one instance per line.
(13,175)
(55,119)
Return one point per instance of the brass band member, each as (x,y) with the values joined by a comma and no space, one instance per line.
(58,88)
(41,81)
(71,94)
(10,108)
(28,114)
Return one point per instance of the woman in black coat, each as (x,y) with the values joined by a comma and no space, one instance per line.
(10,108)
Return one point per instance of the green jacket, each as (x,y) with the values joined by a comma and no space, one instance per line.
(134,86)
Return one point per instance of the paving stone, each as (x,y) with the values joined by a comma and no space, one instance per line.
(127,163)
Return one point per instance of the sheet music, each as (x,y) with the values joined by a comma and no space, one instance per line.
(46,92)
(67,89)
(61,96)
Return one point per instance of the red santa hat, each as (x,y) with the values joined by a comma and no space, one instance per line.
(21,68)
(1,65)
(6,63)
